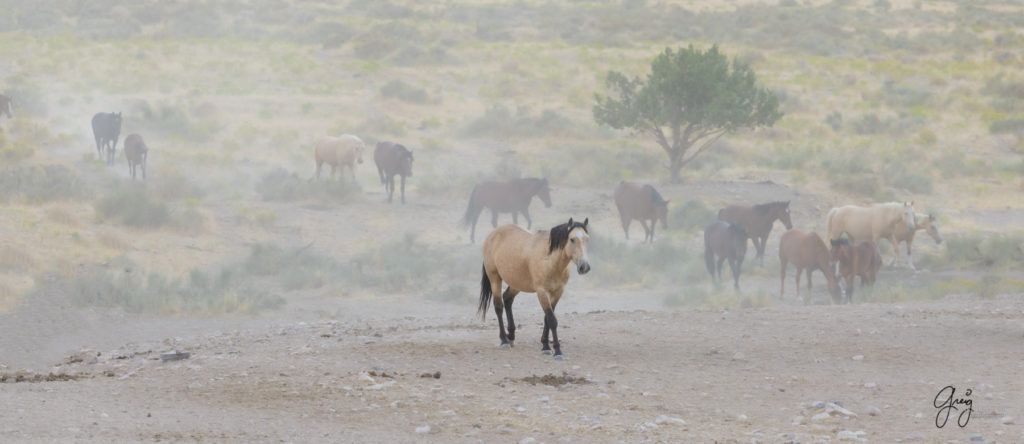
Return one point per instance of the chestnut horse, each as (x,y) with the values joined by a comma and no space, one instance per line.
(532,263)
(339,152)
(925,222)
(513,197)
(136,151)
(871,223)
(727,241)
(856,260)
(758,220)
(643,203)
(806,251)
(392,159)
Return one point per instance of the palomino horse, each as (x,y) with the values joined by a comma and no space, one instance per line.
(921,222)
(758,221)
(806,251)
(339,152)
(106,128)
(643,203)
(513,197)
(727,241)
(534,263)
(392,159)
(861,260)
(6,106)
(871,223)
(136,151)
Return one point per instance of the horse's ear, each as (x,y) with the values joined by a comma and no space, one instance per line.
(570,223)
(585,222)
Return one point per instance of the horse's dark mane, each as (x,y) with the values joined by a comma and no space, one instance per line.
(840,241)
(402,149)
(655,195)
(559,235)
(766,207)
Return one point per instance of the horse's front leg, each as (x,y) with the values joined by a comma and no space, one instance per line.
(526,214)
(762,242)
(403,189)
(494,218)
(734,265)
(910,255)
(389,187)
(647,231)
(654,224)
(548,302)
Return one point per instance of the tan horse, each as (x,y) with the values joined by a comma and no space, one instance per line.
(136,151)
(534,263)
(871,223)
(338,152)
(861,260)
(641,202)
(806,251)
(925,222)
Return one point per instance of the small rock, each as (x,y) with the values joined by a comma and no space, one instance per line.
(858,357)
(914,437)
(872,411)
(820,417)
(738,356)
(665,419)
(544,399)
(798,420)
(741,418)
(423,429)
(520,409)
(175,355)
(1007,420)
(847,435)
(977,437)
(527,440)
(870,385)
(818,405)
(833,408)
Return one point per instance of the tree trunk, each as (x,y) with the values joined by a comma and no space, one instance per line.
(675,165)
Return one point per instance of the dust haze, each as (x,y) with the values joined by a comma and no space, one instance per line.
(318,309)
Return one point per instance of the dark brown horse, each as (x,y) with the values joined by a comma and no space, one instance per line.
(643,203)
(806,251)
(6,106)
(727,241)
(532,263)
(861,260)
(758,221)
(392,159)
(106,128)
(513,197)
(136,151)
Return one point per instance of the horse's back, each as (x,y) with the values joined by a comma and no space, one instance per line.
(134,146)
(507,251)
(801,247)
(634,199)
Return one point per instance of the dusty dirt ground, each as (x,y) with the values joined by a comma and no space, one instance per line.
(751,375)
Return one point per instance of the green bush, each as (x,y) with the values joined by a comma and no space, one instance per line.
(280,185)
(404,92)
(692,215)
(976,249)
(41,183)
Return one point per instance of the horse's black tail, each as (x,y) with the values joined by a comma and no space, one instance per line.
(471,209)
(485,294)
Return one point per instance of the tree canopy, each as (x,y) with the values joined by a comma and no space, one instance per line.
(688,101)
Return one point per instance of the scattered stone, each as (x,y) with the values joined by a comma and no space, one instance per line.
(528,440)
(1007,420)
(435,375)
(741,418)
(818,405)
(858,357)
(423,429)
(820,417)
(665,419)
(798,420)
(872,411)
(977,437)
(738,356)
(847,435)
(175,355)
(870,385)
(521,409)
(914,437)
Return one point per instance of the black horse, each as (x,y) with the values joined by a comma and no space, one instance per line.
(6,106)
(106,128)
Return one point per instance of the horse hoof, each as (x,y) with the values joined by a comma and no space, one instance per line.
(545,352)
(559,357)
(511,343)
(505,346)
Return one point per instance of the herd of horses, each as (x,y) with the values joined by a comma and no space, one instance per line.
(539,262)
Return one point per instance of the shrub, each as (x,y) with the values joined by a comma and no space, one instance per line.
(500,122)
(134,207)
(404,92)
(692,215)
(280,185)
(41,183)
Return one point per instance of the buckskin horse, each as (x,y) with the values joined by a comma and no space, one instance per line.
(513,196)
(871,222)
(531,263)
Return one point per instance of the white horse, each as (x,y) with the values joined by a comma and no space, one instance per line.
(872,222)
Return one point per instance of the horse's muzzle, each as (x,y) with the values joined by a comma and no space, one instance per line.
(583,268)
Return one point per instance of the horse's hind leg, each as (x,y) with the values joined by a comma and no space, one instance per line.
(782,278)
(403,189)
(498,307)
(494,218)
(507,298)
(526,214)
(647,231)
(735,264)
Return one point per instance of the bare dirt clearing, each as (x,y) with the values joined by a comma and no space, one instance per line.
(687,375)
